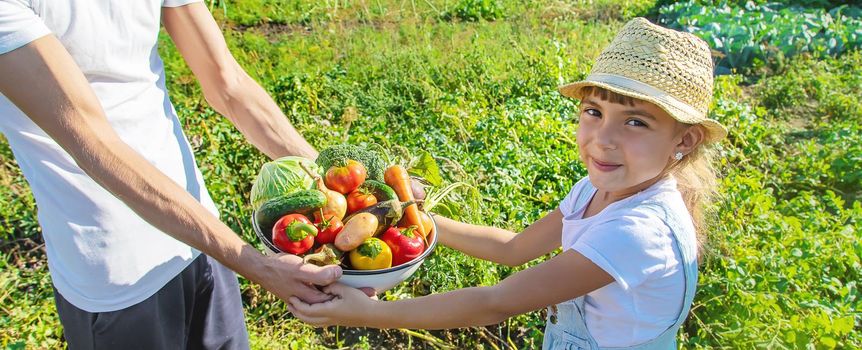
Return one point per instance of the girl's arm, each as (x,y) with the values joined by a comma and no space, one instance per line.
(499,245)
(561,278)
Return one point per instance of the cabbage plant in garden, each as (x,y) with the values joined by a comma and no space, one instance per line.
(753,36)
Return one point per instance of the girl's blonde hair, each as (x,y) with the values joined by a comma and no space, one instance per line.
(695,175)
(697,181)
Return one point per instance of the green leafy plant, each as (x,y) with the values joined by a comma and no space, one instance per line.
(751,37)
(474,10)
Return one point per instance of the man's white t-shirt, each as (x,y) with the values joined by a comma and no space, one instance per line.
(101,255)
(639,251)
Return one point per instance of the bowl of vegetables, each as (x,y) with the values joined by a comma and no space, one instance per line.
(338,210)
(380,279)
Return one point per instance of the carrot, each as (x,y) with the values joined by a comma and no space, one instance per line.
(397,178)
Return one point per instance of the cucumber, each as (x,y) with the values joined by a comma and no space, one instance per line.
(303,202)
(380,190)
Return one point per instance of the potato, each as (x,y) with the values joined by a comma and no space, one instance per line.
(356,230)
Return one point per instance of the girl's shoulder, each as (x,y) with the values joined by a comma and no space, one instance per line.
(664,201)
(659,212)
(661,203)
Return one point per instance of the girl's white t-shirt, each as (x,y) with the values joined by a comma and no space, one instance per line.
(639,251)
(102,256)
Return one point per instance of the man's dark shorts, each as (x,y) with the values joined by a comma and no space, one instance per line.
(200,308)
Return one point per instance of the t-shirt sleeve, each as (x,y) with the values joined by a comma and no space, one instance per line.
(569,201)
(19,25)
(630,248)
(177,3)
(567,205)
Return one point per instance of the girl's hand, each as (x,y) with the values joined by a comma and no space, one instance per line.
(349,307)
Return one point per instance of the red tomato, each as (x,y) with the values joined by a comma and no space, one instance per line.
(293,234)
(347,178)
(328,229)
(405,243)
(358,200)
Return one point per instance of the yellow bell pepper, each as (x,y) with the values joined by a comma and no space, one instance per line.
(372,254)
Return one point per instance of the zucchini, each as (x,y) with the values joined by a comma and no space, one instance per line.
(303,202)
(380,190)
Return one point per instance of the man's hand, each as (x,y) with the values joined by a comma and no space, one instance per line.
(285,275)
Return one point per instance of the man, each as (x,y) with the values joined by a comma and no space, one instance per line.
(122,205)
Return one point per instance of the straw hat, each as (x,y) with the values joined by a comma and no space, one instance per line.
(668,68)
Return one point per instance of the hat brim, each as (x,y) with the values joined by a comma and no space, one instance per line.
(624,86)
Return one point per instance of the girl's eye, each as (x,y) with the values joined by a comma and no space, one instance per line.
(635,122)
(592,112)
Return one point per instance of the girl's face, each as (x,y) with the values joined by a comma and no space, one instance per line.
(627,148)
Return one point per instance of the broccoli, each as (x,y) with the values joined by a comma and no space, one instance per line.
(373,162)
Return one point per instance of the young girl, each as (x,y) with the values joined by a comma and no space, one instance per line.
(628,268)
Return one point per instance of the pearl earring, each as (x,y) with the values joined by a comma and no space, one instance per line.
(677,156)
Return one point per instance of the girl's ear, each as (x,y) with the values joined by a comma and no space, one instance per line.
(692,137)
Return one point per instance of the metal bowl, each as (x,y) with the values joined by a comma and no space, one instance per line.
(380,280)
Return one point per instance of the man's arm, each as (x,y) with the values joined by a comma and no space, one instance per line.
(43,81)
(227,87)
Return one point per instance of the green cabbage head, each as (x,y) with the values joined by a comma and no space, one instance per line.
(281,177)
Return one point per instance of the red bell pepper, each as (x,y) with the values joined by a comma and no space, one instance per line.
(293,234)
(406,243)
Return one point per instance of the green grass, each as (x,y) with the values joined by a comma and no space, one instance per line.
(784,255)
